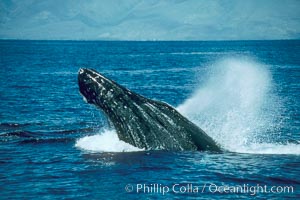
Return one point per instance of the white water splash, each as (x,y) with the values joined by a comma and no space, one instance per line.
(271,148)
(106,141)
(236,107)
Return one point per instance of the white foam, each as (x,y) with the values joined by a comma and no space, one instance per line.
(106,141)
(236,106)
(270,148)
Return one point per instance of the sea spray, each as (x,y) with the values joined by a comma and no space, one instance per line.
(236,106)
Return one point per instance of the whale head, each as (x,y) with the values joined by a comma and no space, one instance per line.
(114,100)
(96,88)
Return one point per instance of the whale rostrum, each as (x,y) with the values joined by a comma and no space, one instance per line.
(142,122)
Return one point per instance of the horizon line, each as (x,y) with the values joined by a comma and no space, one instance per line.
(91,40)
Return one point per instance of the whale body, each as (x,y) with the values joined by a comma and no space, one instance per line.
(142,122)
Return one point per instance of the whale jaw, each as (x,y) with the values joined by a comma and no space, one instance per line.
(142,122)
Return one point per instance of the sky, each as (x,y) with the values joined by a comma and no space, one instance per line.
(150,19)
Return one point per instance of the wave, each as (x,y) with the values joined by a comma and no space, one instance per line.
(20,134)
(46,140)
(13,125)
(62,73)
(25,134)
(28,137)
(203,53)
(270,148)
(25,137)
(185,53)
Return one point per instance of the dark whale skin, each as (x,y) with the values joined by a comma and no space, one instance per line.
(142,122)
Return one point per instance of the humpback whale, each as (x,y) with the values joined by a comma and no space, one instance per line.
(139,121)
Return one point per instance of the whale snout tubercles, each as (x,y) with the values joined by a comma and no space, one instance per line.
(81,71)
(87,86)
(96,88)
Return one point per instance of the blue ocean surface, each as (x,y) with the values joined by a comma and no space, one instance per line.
(244,94)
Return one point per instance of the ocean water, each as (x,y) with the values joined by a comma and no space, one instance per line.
(244,94)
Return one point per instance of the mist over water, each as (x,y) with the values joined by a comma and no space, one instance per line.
(238,107)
